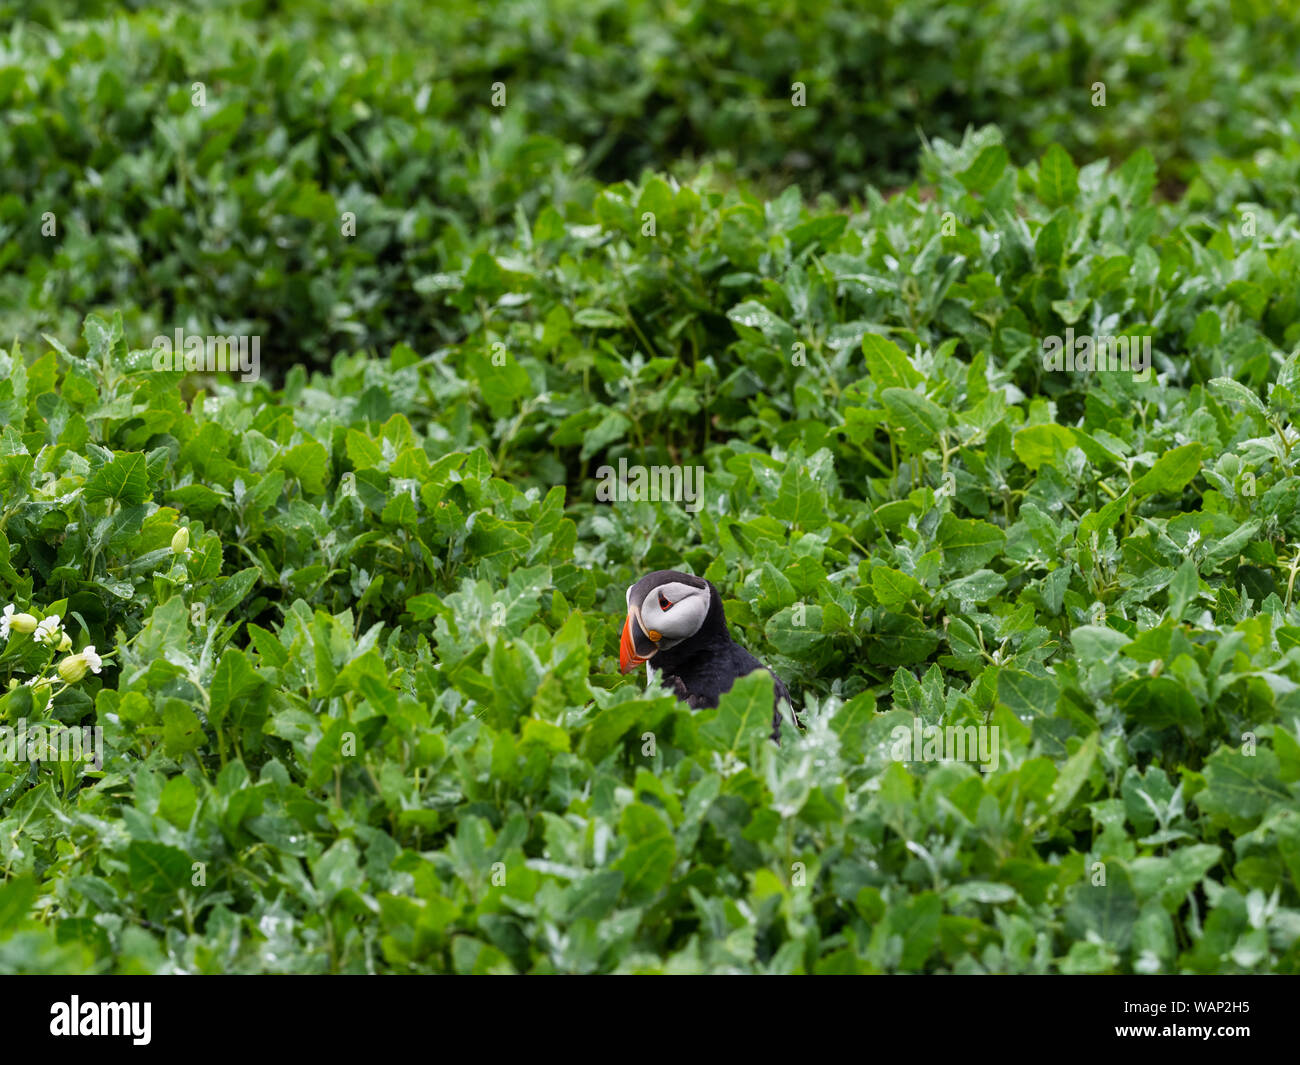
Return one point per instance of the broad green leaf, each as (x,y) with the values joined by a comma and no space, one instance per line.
(985,170)
(887,364)
(1172,471)
(123,479)
(968,544)
(895,590)
(917,415)
(1058,178)
(743,716)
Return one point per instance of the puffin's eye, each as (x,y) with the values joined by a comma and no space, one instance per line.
(664,603)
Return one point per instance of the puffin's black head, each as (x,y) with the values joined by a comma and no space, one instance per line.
(665,608)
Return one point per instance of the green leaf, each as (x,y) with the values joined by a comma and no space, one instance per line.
(1183,590)
(1049,247)
(123,479)
(887,364)
(1058,179)
(234,681)
(1230,391)
(157,870)
(597,318)
(16,898)
(984,171)
(796,630)
(182,732)
(968,543)
(800,500)
(743,716)
(1241,787)
(309,463)
(918,416)
(1073,774)
(893,589)
(1107,911)
(178,802)
(1028,694)
(647,864)
(1038,445)
(1172,472)
(1170,878)
(337,871)
(754,315)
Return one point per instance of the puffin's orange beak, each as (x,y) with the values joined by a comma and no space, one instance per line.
(628,655)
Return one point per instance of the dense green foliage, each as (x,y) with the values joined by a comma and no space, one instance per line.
(356,626)
(229,215)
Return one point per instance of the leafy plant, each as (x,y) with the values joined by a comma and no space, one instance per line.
(312,176)
(362,714)
(316,671)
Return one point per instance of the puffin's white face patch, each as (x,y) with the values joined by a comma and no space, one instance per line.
(674,611)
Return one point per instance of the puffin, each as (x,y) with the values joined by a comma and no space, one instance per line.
(675,623)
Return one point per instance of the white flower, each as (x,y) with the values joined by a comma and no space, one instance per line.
(17,622)
(74,667)
(47,629)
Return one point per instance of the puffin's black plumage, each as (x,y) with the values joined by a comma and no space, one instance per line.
(703,666)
